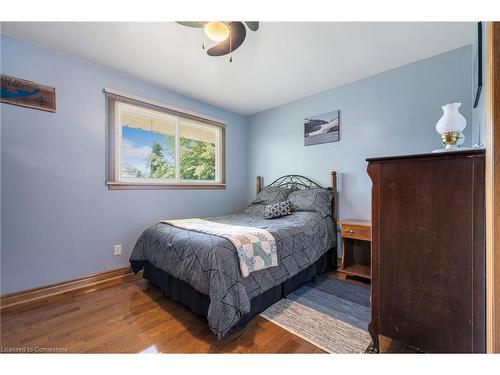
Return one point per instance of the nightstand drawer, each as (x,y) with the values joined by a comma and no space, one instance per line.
(356,232)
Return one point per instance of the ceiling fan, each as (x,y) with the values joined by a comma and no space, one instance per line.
(228,35)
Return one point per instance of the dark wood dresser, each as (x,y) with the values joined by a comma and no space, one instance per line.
(428,251)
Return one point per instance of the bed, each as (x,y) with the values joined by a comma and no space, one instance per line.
(202,272)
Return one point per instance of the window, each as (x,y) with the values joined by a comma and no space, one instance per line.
(151,146)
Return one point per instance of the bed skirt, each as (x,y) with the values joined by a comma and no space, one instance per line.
(197,302)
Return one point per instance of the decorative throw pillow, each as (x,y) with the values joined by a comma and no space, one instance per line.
(319,200)
(268,195)
(277,210)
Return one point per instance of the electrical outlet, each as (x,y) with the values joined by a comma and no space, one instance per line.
(118,249)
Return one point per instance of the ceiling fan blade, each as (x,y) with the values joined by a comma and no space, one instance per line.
(198,24)
(238,34)
(252,25)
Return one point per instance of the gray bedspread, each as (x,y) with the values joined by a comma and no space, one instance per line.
(210,264)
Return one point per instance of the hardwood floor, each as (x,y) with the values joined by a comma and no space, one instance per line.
(134,317)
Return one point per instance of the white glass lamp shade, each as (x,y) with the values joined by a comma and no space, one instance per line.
(452,120)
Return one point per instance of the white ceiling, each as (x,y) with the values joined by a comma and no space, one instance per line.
(281,62)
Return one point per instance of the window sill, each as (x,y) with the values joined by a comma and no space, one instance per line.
(153,186)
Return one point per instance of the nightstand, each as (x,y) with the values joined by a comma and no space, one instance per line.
(356,248)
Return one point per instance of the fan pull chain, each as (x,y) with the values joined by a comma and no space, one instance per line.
(230,46)
(202,45)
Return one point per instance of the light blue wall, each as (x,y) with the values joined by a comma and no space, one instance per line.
(59,221)
(394,112)
(479,113)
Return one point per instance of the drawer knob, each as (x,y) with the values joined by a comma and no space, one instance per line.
(349,231)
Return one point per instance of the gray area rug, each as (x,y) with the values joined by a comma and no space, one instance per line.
(331,314)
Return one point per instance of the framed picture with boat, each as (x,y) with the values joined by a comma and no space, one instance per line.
(322,128)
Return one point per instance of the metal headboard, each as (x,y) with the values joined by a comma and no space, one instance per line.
(292,180)
(302,182)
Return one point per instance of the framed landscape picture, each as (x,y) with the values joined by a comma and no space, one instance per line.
(322,128)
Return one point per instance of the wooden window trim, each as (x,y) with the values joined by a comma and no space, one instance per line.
(114,184)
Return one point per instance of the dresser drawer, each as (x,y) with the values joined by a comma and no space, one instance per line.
(356,232)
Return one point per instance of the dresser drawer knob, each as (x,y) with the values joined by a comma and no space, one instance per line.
(349,231)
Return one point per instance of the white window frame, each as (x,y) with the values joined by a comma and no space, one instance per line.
(115,180)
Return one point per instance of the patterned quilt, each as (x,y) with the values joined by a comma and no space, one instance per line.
(256,247)
(210,263)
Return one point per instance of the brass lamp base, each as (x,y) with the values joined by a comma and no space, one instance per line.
(451,141)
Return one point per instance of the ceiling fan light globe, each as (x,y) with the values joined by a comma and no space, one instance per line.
(217,31)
